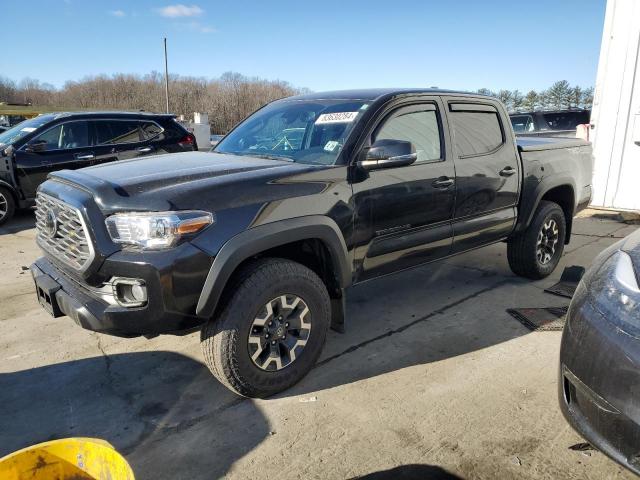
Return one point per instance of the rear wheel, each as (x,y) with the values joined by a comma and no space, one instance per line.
(535,253)
(271,329)
(7,205)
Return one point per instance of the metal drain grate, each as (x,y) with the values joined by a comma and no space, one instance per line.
(547,319)
(568,282)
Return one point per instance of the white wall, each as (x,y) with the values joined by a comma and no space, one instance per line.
(616,109)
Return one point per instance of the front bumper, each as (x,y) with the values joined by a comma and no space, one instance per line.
(599,387)
(173,279)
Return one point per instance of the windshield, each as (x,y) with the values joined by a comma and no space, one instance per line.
(311,131)
(23,128)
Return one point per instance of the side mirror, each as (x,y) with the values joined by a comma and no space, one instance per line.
(36,146)
(389,154)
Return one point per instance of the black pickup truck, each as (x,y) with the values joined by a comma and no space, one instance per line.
(256,243)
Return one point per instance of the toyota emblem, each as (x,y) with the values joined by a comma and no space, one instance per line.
(50,223)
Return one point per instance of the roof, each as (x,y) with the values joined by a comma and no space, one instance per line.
(370,94)
(112,113)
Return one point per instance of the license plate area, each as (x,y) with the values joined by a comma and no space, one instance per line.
(46,289)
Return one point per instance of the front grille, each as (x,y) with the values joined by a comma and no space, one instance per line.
(61,231)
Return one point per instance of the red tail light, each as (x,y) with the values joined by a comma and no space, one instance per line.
(189,140)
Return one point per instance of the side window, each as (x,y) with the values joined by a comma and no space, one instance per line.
(418,125)
(66,136)
(113,132)
(51,137)
(150,130)
(475,132)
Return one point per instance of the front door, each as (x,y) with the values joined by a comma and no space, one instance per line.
(63,146)
(403,215)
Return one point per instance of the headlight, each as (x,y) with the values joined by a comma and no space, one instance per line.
(615,293)
(156,230)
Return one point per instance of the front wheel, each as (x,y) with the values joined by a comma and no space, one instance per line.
(535,253)
(271,330)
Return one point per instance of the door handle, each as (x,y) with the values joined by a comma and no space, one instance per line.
(507,171)
(88,156)
(443,182)
(145,149)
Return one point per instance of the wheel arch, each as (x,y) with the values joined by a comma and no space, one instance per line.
(289,238)
(561,191)
(11,189)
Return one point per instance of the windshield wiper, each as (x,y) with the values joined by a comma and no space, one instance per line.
(271,157)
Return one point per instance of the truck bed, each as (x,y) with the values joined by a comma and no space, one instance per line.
(533,144)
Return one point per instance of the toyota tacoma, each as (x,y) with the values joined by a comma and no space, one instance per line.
(256,244)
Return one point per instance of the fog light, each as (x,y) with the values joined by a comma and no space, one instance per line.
(130,292)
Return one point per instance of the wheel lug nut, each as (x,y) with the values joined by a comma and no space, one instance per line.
(273,342)
(270,323)
(286,324)
(266,335)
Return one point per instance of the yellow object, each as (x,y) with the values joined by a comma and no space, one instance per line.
(66,459)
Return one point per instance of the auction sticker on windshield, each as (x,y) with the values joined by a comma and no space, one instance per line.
(337,117)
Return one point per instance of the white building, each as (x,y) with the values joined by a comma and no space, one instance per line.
(615,117)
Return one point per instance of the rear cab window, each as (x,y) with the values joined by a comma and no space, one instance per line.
(477,129)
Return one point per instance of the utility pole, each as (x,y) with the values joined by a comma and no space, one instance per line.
(166,74)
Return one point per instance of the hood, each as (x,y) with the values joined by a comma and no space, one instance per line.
(190,180)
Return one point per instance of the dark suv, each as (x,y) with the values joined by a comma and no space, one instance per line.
(55,141)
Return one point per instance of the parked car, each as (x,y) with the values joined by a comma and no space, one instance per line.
(36,147)
(556,123)
(600,354)
(255,243)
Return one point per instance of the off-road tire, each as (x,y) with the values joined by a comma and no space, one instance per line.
(224,339)
(7,205)
(522,249)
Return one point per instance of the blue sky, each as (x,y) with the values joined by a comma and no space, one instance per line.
(320,44)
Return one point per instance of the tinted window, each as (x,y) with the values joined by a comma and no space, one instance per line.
(476,133)
(565,120)
(522,123)
(118,131)
(66,136)
(150,130)
(418,127)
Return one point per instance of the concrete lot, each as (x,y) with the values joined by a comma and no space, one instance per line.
(432,374)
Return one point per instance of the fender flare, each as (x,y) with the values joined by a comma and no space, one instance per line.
(261,238)
(528,210)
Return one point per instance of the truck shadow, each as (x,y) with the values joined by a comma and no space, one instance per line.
(22,220)
(162,410)
(421,316)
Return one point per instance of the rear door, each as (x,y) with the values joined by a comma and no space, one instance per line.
(487,172)
(66,145)
(129,138)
